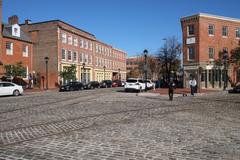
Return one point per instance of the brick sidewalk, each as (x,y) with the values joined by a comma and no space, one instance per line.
(181,91)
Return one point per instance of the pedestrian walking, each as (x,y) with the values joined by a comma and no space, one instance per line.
(171,87)
(193,84)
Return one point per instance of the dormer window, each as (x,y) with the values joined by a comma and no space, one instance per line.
(16,30)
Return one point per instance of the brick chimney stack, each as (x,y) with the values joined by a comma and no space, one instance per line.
(13,20)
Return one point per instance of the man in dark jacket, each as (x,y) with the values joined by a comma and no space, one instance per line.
(171,87)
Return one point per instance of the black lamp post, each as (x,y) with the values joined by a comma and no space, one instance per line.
(104,67)
(145,52)
(46,61)
(225,56)
(83,73)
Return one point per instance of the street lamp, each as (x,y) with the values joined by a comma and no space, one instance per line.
(46,61)
(225,56)
(104,67)
(145,52)
(83,73)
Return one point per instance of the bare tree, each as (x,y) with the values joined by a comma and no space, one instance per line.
(169,57)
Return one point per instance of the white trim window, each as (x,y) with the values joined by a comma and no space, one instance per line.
(75,56)
(69,55)
(87,45)
(9,48)
(211,53)
(64,38)
(81,57)
(25,50)
(238,32)
(90,46)
(190,30)
(70,40)
(81,43)
(64,54)
(75,42)
(225,31)
(211,29)
(86,58)
(191,53)
(96,48)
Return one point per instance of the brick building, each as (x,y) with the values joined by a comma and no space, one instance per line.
(204,36)
(64,45)
(16,47)
(133,68)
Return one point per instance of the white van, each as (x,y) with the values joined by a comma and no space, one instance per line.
(134,84)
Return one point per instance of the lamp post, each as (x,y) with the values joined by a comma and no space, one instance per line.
(46,61)
(104,67)
(83,73)
(145,52)
(225,56)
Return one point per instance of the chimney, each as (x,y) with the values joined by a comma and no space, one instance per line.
(28,21)
(13,20)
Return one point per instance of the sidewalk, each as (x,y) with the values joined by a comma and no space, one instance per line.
(31,90)
(164,91)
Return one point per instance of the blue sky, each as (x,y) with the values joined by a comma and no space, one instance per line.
(130,25)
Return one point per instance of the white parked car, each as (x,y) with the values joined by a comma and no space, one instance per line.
(134,84)
(150,84)
(8,88)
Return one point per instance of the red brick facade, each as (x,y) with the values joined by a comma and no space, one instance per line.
(65,44)
(212,34)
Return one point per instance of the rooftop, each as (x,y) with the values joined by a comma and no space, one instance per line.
(211,16)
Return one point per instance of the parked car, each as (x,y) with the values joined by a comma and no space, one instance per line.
(134,84)
(8,88)
(117,83)
(106,84)
(235,89)
(92,85)
(71,86)
(150,84)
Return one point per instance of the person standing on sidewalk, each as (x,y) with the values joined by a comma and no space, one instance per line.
(171,87)
(193,84)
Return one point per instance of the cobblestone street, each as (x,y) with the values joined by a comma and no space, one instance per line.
(109,124)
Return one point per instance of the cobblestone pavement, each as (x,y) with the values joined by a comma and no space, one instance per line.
(107,124)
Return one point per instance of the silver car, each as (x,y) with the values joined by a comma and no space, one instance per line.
(8,88)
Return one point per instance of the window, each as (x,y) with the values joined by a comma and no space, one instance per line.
(225,31)
(90,46)
(70,40)
(75,42)
(75,56)
(85,44)
(81,43)
(70,55)
(96,48)
(211,29)
(25,50)
(190,29)
(211,52)
(238,32)
(9,48)
(191,53)
(86,58)
(64,38)
(81,57)
(63,54)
